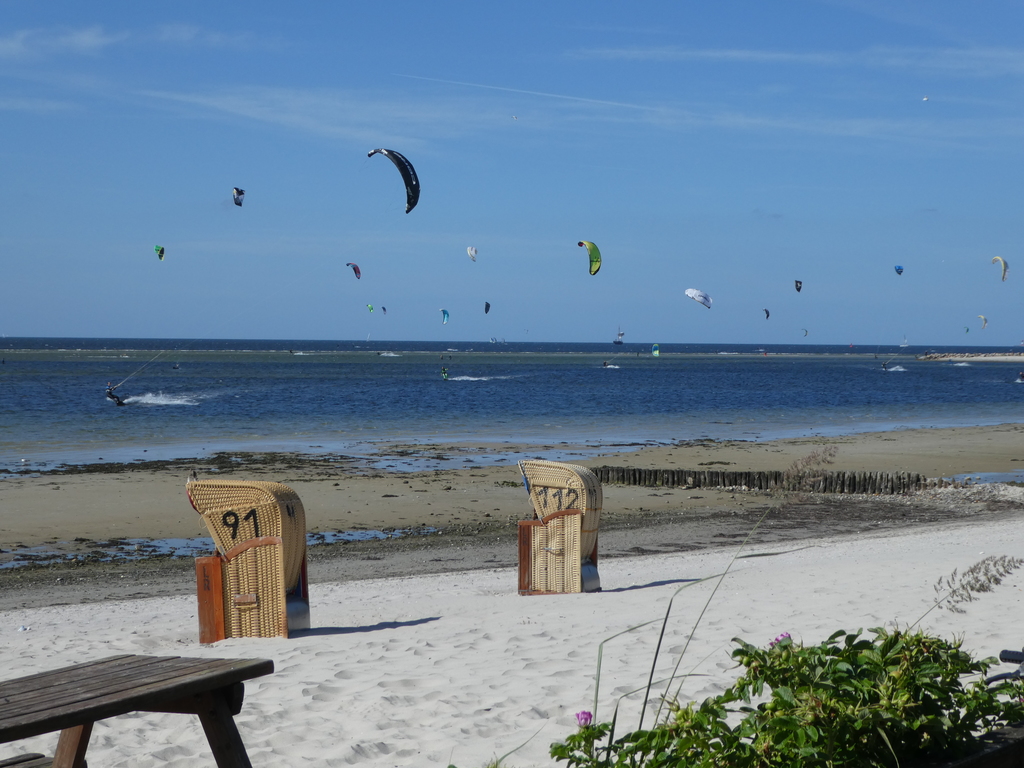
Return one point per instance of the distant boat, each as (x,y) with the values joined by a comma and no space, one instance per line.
(618,336)
(904,344)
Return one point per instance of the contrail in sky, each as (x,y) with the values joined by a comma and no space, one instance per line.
(534,93)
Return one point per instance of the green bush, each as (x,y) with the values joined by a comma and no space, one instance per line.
(851,701)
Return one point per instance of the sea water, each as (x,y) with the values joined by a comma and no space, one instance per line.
(190,398)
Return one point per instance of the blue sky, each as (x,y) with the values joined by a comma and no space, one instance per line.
(732,147)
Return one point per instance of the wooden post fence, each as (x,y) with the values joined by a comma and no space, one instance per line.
(818,481)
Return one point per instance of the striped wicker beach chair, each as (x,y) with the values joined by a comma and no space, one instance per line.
(558,549)
(256,586)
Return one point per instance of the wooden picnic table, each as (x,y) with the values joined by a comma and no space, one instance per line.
(71,699)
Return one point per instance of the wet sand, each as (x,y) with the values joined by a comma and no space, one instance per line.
(147,500)
(466,518)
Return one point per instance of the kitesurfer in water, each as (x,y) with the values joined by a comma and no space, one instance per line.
(110,394)
(444,373)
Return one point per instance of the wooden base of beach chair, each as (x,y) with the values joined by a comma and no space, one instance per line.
(549,555)
(210,592)
(242,597)
(526,556)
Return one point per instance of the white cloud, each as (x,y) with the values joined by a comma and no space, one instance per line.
(685,117)
(353,115)
(374,119)
(40,43)
(949,22)
(671,53)
(31,44)
(966,62)
(32,105)
(191,35)
(88,40)
(949,131)
(14,46)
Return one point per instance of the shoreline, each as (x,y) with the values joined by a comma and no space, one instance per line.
(146,500)
(472,511)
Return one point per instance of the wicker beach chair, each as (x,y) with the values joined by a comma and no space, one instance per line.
(558,549)
(256,586)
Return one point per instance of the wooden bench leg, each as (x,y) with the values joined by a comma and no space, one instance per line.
(215,715)
(20,760)
(71,747)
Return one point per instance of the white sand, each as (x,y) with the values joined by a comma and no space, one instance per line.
(458,667)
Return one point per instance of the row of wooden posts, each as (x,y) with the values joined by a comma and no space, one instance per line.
(817,481)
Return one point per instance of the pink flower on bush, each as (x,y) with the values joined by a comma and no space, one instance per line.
(584,718)
(779,639)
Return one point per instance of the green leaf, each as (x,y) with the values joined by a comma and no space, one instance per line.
(786,694)
(871,656)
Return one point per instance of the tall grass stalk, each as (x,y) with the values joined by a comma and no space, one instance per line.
(700,617)
(600,646)
(661,637)
(600,657)
(499,762)
(647,687)
(962,587)
(618,701)
(794,474)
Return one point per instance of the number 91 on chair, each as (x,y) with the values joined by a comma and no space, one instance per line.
(255,586)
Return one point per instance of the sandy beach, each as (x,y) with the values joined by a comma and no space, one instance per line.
(423,653)
(456,667)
